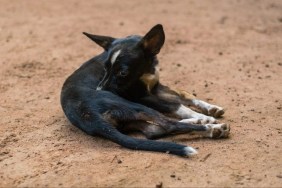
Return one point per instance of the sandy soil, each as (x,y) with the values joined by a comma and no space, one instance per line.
(226,52)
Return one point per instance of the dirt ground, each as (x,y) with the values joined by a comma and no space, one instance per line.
(226,52)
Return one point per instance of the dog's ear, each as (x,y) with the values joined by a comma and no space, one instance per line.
(102,41)
(153,41)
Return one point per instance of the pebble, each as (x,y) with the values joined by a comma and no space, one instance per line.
(159,185)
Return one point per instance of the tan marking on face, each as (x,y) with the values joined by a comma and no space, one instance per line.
(150,80)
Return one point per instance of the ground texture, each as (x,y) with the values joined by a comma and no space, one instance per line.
(226,52)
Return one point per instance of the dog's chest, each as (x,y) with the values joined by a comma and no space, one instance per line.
(150,79)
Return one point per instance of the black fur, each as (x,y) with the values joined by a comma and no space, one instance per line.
(123,100)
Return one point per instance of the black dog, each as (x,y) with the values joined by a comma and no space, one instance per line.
(119,90)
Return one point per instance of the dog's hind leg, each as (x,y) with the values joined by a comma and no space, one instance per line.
(149,129)
(97,126)
(153,131)
(173,105)
(156,125)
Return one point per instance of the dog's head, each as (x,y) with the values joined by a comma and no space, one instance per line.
(128,58)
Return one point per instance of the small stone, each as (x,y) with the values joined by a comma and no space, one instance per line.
(180,42)
(5,152)
(159,185)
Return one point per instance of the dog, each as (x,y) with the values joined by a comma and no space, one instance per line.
(119,91)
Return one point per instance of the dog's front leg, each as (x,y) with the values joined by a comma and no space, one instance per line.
(206,108)
(190,116)
(188,99)
(171,104)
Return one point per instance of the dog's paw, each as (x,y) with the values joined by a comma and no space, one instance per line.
(217,130)
(215,111)
(200,119)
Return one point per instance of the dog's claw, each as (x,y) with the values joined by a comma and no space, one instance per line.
(217,130)
(200,120)
(215,111)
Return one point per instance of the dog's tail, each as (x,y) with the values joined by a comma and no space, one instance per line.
(114,135)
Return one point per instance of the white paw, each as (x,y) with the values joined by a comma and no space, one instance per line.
(217,130)
(205,119)
(199,119)
(208,109)
(215,111)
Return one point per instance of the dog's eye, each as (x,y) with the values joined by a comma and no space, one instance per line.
(123,73)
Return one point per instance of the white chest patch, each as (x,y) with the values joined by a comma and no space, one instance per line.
(150,80)
(114,56)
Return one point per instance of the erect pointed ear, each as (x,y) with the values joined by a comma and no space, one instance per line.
(153,41)
(102,41)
